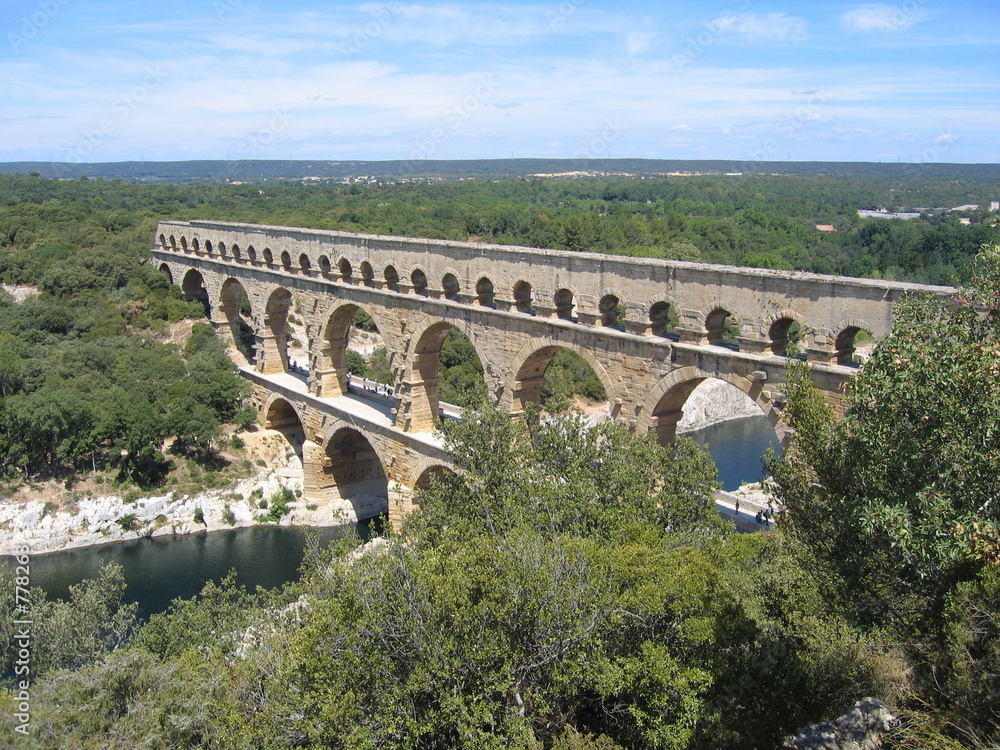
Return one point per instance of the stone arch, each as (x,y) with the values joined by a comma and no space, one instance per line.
(715,327)
(184,243)
(231,302)
(163,242)
(351,470)
(196,245)
(418,281)
(268,257)
(424,472)
(367,274)
(331,362)
(281,415)
(391,276)
(173,243)
(610,310)
(251,254)
(208,247)
(304,264)
(165,268)
(450,286)
(222,249)
(485,292)
(564,302)
(274,338)
(286,261)
(237,253)
(345,270)
(193,289)
(421,380)
(844,342)
(662,317)
(778,326)
(527,372)
(324,266)
(523,297)
(665,404)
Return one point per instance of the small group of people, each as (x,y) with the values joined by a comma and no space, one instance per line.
(764,517)
(380,389)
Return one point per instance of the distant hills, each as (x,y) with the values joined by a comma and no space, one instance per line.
(401,170)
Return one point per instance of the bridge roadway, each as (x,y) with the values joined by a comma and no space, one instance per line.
(651,330)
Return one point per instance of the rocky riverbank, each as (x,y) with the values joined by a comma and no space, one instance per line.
(715,401)
(101,520)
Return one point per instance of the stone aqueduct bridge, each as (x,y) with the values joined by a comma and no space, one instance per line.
(518,306)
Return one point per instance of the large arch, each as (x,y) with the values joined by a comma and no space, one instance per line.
(352,471)
(421,380)
(282,416)
(845,342)
(235,305)
(274,336)
(665,405)
(193,288)
(330,370)
(527,373)
(165,268)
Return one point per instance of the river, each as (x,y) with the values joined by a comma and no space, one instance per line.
(161,569)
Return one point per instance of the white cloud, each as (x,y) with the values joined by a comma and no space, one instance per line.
(638,42)
(882,19)
(757,27)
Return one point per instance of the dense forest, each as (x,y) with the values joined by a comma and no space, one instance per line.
(569,589)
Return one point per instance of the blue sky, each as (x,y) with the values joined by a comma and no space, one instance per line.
(86,80)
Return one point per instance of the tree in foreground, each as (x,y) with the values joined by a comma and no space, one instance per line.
(898,504)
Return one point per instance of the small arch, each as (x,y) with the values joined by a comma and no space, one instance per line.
(251,254)
(222,249)
(208,247)
(391,276)
(848,342)
(663,320)
(304,264)
(345,270)
(173,243)
(163,242)
(722,329)
(268,257)
(237,253)
(784,332)
(485,295)
(522,298)
(418,279)
(611,312)
(450,286)
(184,244)
(367,274)
(324,266)
(565,304)
(286,261)
(196,245)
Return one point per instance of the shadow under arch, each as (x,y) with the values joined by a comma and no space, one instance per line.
(330,370)
(426,472)
(421,373)
(280,414)
(352,473)
(665,405)
(527,373)
(194,290)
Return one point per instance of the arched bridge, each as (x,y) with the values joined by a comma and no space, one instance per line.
(652,330)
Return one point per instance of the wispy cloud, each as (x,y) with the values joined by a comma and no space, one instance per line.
(757,27)
(883,19)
